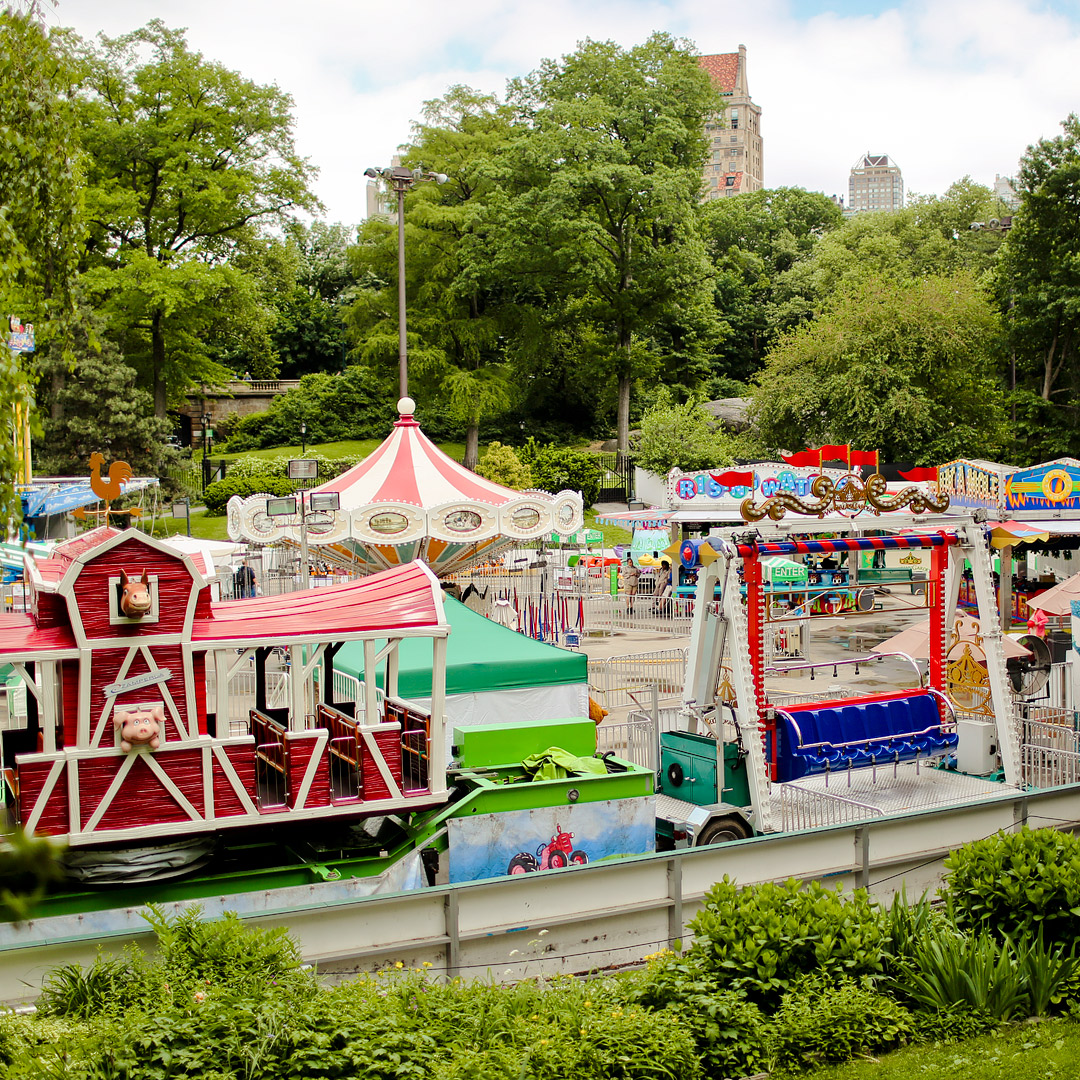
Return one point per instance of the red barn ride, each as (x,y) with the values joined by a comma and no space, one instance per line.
(189,662)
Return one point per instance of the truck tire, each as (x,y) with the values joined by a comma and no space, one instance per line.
(721,830)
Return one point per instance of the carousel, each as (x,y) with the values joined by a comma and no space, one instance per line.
(409,501)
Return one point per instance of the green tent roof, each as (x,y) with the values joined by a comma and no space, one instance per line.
(481,655)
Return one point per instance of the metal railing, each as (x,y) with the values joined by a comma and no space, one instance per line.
(1050,748)
(628,680)
(804,809)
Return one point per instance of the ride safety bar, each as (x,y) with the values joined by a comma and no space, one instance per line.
(847,543)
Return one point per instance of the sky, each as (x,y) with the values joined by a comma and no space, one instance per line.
(946,88)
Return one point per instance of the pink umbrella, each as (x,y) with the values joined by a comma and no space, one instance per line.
(915,640)
(1057,599)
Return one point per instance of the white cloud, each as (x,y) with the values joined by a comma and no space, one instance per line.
(946,87)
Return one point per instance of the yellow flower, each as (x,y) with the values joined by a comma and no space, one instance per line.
(427,963)
(399,965)
(543,1042)
(588,1004)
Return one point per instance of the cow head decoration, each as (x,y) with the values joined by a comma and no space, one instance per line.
(135,599)
(140,727)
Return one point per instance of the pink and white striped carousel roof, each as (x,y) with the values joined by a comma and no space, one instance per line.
(409,468)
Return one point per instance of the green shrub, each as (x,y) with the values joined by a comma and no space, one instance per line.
(250,465)
(216,496)
(193,957)
(675,436)
(822,1020)
(556,469)
(730,1033)
(502,465)
(762,939)
(1013,884)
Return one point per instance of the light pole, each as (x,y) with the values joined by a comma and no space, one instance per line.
(401,180)
(303,437)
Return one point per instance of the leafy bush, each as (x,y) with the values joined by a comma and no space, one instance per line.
(193,957)
(762,939)
(217,495)
(250,465)
(555,469)
(682,436)
(730,1032)
(821,1021)
(356,404)
(1014,884)
(502,465)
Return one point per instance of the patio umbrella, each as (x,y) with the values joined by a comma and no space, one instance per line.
(1057,599)
(915,640)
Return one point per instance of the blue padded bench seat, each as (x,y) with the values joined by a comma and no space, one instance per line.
(854,732)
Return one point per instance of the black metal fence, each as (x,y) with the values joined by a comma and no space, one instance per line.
(617,483)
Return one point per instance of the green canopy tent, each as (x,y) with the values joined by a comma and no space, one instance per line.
(493,674)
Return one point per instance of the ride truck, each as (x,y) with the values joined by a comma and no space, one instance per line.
(558,852)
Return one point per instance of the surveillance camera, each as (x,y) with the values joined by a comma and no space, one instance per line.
(373,173)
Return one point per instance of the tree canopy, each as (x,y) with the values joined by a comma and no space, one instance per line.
(187,160)
(1039,290)
(595,217)
(901,366)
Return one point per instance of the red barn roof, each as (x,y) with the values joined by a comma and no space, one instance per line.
(404,598)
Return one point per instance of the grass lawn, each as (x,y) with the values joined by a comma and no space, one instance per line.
(1047,1049)
(206,528)
(613,534)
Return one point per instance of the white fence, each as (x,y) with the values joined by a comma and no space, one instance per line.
(597,915)
(1050,750)
(620,681)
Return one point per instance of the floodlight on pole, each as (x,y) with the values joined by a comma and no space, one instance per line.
(401,180)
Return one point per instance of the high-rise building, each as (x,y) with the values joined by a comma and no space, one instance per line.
(736,154)
(875,184)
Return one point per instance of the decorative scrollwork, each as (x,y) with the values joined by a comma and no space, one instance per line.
(848,494)
(775,507)
(919,499)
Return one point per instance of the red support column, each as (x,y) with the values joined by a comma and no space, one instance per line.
(755,618)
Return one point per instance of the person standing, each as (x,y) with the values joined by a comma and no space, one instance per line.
(631,580)
(245,581)
(663,586)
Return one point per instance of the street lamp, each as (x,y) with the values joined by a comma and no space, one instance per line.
(303,437)
(206,418)
(401,180)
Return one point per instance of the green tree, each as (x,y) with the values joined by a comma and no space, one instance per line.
(904,367)
(751,241)
(929,236)
(189,160)
(680,436)
(97,407)
(40,224)
(596,217)
(456,353)
(1039,288)
(308,282)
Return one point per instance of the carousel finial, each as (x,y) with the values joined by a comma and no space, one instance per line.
(406,407)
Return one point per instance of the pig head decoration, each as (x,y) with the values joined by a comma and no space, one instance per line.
(140,727)
(135,599)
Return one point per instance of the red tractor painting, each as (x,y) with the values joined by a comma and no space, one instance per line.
(557,853)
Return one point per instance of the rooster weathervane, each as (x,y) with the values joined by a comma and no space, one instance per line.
(108,489)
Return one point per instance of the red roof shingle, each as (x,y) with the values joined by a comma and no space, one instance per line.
(724,69)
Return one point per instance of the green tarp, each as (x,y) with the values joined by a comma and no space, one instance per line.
(480,656)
